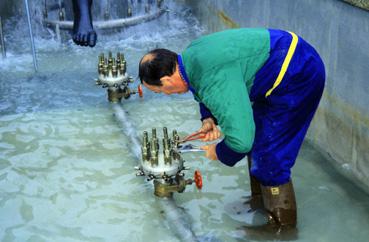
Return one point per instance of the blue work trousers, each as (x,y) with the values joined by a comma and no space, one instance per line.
(283,117)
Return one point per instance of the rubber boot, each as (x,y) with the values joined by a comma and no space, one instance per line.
(280,203)
(255,201)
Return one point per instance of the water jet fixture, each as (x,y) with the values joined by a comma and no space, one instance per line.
(176,219)
(113,76)
(165,168)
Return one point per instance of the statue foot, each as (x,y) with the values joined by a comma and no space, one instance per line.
(83,32)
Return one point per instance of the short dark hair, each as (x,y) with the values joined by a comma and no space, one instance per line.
(162,62)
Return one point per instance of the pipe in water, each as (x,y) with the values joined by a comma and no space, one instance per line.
(115,23)
(171,210)
(31,36)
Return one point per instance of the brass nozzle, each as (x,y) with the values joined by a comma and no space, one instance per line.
(166,147)
(154,156)
(118,59)
(153,133)
(114,70)
(101,58)
(122,67)
(100,66)
(154,148)
(167,154)
(110,62)
(175,143)
(129,12)
(165,131)
(145,138)
(145,147)
(175,137)
(106,70)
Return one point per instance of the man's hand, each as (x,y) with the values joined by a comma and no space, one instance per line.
(210,151)
(210,129)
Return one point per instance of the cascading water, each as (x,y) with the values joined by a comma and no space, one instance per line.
(66,82)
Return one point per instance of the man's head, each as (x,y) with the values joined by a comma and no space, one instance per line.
(158,71)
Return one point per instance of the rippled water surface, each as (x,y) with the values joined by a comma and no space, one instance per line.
(67,170)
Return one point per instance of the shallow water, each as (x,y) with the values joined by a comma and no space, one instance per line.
(66,167)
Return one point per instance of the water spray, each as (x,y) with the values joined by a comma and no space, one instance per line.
(31,36)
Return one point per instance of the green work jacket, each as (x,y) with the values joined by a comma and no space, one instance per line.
(220,69)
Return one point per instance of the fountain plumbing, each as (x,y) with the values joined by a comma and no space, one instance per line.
(113,76)
(167,168)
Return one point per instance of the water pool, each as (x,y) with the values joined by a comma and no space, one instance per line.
(66,166)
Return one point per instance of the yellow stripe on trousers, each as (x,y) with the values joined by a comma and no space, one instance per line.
(286,63)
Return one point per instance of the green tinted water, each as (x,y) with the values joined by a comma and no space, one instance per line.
(66,169)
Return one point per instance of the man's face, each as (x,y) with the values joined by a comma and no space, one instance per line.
(170,85)
(154,88)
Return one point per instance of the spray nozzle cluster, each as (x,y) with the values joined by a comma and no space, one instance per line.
(165,166)
(113,75)
(112,66)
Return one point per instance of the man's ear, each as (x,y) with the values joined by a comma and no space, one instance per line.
(166,80)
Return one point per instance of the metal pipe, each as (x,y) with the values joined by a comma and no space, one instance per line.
(109,24)
(176,220)
(31,36)
(2,43)
(171,211)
